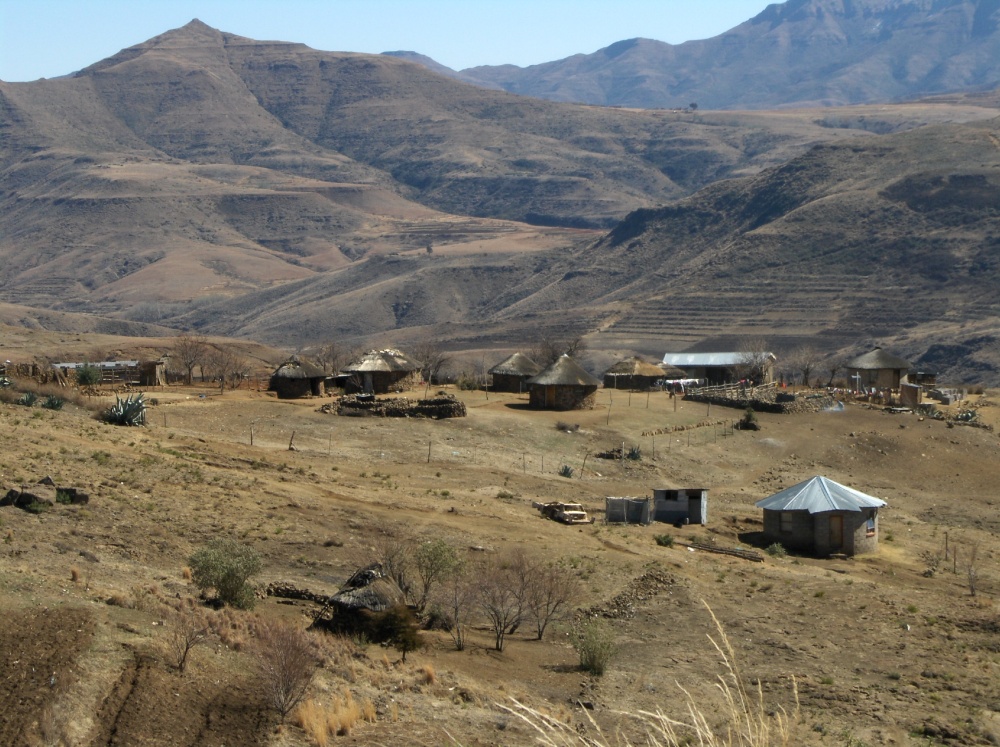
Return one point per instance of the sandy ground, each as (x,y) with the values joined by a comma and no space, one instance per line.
(890,648)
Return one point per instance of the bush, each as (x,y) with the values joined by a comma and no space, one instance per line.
(634,453)
(664,540)
(777,550)
(52,402)
(87,375)
(128,411)
(597,645)
(565,471)
(227,566)
(28,399)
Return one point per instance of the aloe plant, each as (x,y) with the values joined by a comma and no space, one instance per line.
(28,399)
(52,402)
(128,411)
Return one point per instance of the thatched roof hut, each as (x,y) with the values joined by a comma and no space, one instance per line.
(361,600)
(822,517)
(512,373)
(633,373)
(564,385)
(297,378)
(382,371)
(878,370)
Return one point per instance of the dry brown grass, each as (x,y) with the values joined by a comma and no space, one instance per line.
(427,674)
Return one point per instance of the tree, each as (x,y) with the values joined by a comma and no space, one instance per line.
(398,626)
(433,358)
(693,106)
(227,566)
(753,359)
(803,360)
(432,562)
(88,375)
(498,600)
(834,364)
(551,593)
(457,597)
(333,356)
(227,364)
(286,662)
(395,555)
(548,348)
(187,631)
(190,351)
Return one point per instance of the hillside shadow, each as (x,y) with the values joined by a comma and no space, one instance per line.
(522,406)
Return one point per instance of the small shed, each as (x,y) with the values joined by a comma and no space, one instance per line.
(297,378)
(381,372)
(681,506)
(723,367)
(823,517)
(564,385)
(512,373)
(634,373)
(877,370)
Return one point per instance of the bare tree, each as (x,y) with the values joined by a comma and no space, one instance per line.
(395,555)
(834,364)
(332,356)
(548,348)
(551,594)
(190,351)
(433,358)
(972,568)
(803,360)
(754,360)
(188,630)
(520,568)
(287,662)
(498,600)
(457,597)
(227,364)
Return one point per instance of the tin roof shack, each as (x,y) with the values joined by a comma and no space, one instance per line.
(627,510)
(633,373)
(877,370)
(133,373)
(822,517)
(512,373)
(725,368)
(381,372)
(564,385)
(295,378)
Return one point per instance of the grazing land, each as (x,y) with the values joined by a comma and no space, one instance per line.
(890,648)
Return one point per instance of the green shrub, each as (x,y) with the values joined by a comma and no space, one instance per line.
(87,375)
(596,643)
(664,540)
(565,471)
(777,550)
(128,411)
(52,402)
(227,566)
(28,399)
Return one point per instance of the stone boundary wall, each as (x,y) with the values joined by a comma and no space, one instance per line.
(809,403)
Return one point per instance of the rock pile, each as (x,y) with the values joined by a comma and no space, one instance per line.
(623,606)
(43,494)
(442,406)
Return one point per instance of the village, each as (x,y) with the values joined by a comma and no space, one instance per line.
(651,492)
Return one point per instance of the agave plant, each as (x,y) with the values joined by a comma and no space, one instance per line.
(128,411)
(28,399)
(634,453)
(52,402)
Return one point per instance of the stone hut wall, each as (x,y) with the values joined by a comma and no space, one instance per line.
(801,536)
(563,397)
(509,383)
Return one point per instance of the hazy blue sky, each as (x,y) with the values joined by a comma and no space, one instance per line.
(48,38)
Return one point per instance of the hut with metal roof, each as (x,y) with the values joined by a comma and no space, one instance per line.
(564,385)
(723,368)
(637,374)
(823,517)
(512,373)
(382,371)
(297,378)
(877,370)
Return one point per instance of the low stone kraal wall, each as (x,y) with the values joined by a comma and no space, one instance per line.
(799,404)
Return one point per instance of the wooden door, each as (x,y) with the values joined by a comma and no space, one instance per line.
(836,532)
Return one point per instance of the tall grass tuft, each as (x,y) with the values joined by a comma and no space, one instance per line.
(746,722)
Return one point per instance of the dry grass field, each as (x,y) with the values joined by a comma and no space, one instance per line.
(875,650)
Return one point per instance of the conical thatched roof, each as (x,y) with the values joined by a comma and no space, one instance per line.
(298,369)
(388,360)
(369,589)
(819,494)
(516,365)
(564,372)
(878,359)
(672,372)
(635,366)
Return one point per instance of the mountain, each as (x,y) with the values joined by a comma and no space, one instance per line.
(796,53)
(269,191)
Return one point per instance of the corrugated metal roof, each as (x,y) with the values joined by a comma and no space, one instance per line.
(698,360)
(819,494)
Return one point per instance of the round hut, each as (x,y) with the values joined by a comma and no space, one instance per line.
(363,597)
(822,517)
(636,374)
(512,373)
(382,371)
(877,370)
(564,385)
(296,378)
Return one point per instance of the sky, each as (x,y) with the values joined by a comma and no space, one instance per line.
(49,38)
